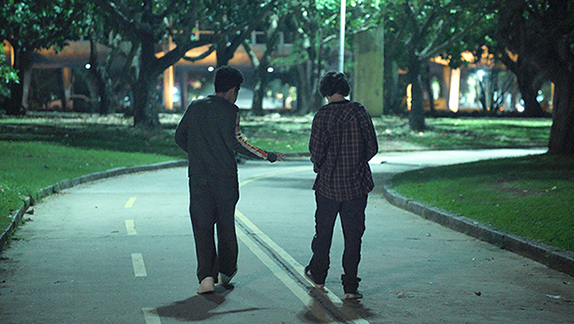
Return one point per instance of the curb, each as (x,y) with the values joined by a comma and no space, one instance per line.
(69,183)
(550,256)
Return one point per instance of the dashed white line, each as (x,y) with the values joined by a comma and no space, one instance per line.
(151,316)
(130,227)
(130,202)
(139,266)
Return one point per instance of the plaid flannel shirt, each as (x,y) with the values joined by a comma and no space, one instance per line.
(342,142)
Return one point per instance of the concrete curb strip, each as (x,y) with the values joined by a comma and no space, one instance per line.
(548,255)
(69,183)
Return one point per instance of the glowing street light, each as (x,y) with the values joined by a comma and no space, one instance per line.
(480,74)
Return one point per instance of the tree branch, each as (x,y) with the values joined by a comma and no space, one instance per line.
(433,50)
(205,54)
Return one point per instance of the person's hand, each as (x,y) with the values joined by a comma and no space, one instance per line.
(280,156)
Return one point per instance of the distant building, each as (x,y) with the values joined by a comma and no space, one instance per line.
(451,90)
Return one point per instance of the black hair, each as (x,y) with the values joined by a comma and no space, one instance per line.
(334,82)
(227,77)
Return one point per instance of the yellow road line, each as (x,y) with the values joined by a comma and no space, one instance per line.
(130,227)
(139,266)
(130,202)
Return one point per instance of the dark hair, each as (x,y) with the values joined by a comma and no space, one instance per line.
(227,77)
(334,82)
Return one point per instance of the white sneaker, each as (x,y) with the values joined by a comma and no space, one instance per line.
(206,286)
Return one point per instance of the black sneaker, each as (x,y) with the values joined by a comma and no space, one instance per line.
(354,295)
(309,277)
(224,279)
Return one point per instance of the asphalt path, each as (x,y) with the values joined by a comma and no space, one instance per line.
(120,250)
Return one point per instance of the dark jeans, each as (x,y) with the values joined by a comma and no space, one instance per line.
(352,215)
(212,204)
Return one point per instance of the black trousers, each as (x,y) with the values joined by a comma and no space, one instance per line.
(352,214)
(212,205)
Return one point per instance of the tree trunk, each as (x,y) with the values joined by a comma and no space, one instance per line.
(416,115)
(261,80)
(303,90)
(527,76)
(98,74)
(62,89)
(146,110)
(562,131)
(428,89)
(22,63)
(258,94)
(223,56)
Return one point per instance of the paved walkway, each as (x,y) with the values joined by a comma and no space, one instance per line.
(120,250)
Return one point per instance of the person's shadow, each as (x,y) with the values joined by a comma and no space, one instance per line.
(195,308)
(199,307)
(322,310)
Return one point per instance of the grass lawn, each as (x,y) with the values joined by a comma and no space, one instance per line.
(513,195)
(28,167)
(530,196)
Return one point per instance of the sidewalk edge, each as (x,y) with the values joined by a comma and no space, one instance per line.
(550,256)
(69,183)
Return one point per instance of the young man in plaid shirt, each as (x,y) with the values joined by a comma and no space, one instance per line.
(342,142)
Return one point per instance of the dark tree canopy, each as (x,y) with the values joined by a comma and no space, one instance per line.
(30,25)
(542,32)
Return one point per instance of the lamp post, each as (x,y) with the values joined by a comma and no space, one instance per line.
(342,36)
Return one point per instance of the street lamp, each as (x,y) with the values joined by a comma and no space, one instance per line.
(480,74)
(342,36)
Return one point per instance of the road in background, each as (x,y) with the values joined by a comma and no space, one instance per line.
(121,251)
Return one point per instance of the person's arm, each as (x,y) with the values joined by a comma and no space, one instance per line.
(316,144)
(181,132)
(369,135)
(241,146)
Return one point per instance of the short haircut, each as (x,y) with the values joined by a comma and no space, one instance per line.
(227,77)
(334,82)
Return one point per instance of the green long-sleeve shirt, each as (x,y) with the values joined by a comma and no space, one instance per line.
(209,132)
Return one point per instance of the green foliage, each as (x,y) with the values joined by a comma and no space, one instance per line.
(430,28)
(155,19)
(416,31)
(29,25)
(364,14)
(540,31)
(7,74)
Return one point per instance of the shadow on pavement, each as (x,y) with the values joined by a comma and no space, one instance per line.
(199,307)
(322,310)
